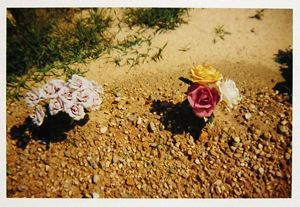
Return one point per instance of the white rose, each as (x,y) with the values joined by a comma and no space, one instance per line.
(97,100)
(75,110)
(38,116)
(79,83)
(85,97)
(33,97)
(229,92)
(55,106)
(66,95)
(51,89)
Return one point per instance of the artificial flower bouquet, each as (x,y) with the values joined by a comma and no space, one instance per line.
(74,97)
(208,88)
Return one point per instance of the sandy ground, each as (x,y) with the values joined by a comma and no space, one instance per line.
(131,160)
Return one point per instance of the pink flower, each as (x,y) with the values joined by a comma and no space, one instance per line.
(202,99)
(52,88)
(33,97)
(66,95)
(55,106)
(38,116)
(75,110)
(79,83)
(85,97)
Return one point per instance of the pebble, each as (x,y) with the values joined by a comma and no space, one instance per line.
(139,121)
(236,139)
(47,167)
(115,159)
(131,118)
(218,182)
(247,116)
(197,161)
(96,178)
(103,130)
(130,181)
(152,126)
(261,170)
(287,156)
(267,135)
(278,174)
(95,195)
(283,130)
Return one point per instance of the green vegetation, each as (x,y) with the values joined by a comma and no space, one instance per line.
(220,32)
(161,18)
(258,14)
(46,42)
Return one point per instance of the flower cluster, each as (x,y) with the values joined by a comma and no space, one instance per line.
(72,97)
(208,89)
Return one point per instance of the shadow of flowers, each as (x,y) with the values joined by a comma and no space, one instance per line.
(285,59)
(53,129)
(178,118)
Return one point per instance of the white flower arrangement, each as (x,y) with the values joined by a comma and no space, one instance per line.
(229,92)
(72,97)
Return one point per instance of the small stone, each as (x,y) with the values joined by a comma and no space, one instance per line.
(139,121)
(267,135)
(131,118)
(261,170)
(103,130)
(96,178)
(107,164)
(47,167)
(284,122)
(197,161)
(287,156)
(283,130)
(260,146)
(115,159)
(236,139)
(247,116)
(95,195)
(278,174)
(152,126)
(130,181)
(218,182)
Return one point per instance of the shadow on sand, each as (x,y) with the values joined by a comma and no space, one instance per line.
(178,118)
(285,59)
(53,129)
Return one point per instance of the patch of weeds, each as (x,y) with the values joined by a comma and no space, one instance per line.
(258,14)
(184,48)
(38,39)
(159,18)
(158,55)
(220,32)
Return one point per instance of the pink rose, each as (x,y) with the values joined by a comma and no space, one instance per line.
(33,97)
(55,106)
(75,110)
(85,97)
(202,99)
(53,87)
(66,95)
(38,116)
(78,83)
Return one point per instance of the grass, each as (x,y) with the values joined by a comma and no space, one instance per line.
(41,42)
(220,33)
(159,18)
(258,14)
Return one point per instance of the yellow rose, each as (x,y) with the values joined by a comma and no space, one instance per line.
(205,74)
